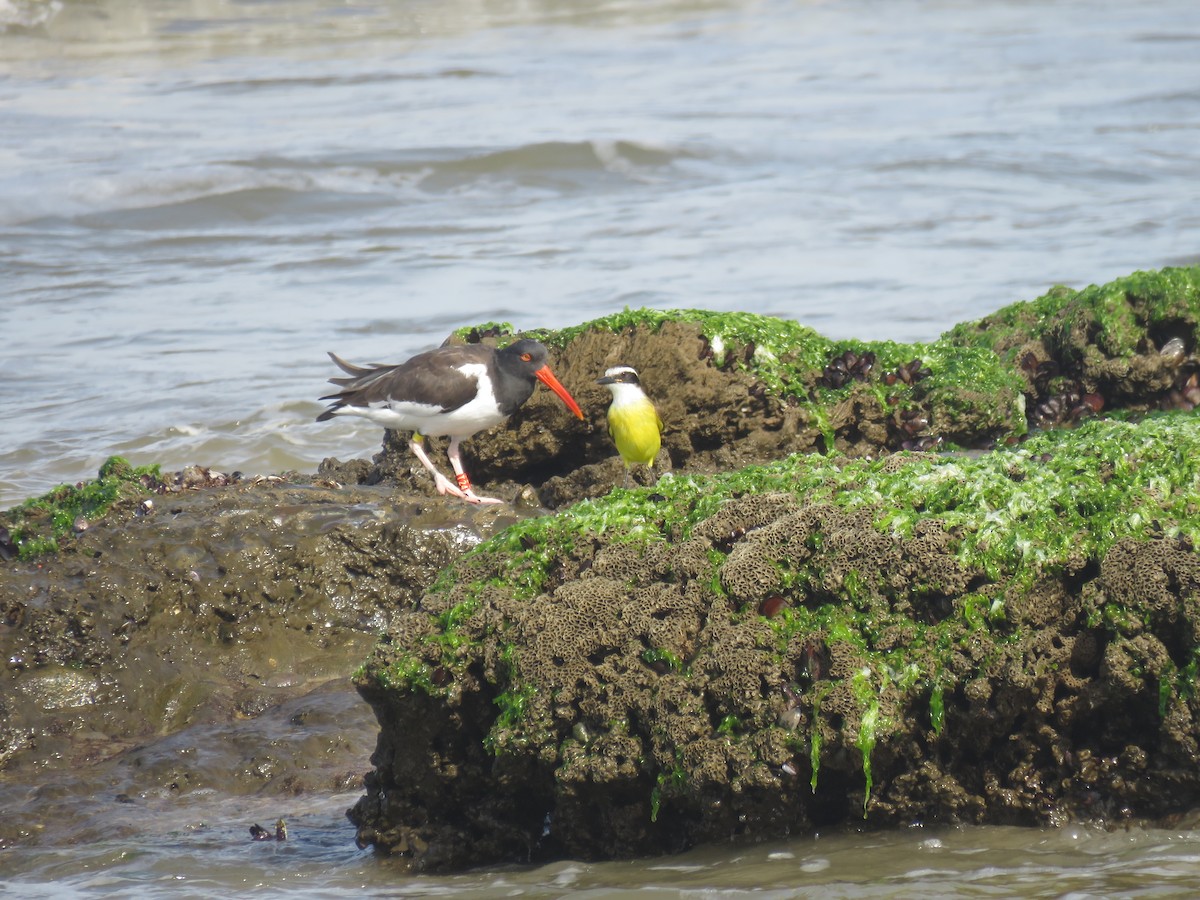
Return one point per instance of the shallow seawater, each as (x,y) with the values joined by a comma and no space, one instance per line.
(214,858)
(199,198)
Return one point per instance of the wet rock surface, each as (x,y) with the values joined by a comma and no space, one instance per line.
(650,673)
(159,630)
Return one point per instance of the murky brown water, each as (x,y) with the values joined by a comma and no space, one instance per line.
(198,199)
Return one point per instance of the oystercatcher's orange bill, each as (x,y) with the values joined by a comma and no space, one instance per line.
(546,377)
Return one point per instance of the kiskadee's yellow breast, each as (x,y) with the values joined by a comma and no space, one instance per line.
(634,428)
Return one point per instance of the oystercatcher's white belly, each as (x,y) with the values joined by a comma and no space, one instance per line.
(479,414)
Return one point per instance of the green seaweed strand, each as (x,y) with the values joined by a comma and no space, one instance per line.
(868,729)
(937,709)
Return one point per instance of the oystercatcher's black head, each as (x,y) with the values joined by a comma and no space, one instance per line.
(523,357)
(525,360)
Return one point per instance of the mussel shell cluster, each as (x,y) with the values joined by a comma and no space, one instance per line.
(1185,389)
(1065,407)
(847,367)
(1062,407)
(851,366)
(909,373)
(1040,370)
(912,423)
(1069,404)
(921,444)
(1185,393)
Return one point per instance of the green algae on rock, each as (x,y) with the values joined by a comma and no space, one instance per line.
(37,525)
(1117,317)
(1009,637)
(972,395)
(1132,341)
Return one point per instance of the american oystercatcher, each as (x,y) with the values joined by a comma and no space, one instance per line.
(450,392)
(633,422)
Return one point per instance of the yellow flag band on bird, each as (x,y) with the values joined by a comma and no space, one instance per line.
(633,422)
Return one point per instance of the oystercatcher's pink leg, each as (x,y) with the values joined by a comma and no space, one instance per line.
(443,484)
(464,482)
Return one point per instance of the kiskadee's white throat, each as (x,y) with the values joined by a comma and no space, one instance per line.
(633,422)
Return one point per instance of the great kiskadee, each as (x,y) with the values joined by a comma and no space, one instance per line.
(633,422)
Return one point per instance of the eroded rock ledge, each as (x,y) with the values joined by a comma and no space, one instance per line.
(208,603)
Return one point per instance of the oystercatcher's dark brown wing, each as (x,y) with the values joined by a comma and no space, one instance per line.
(433,379)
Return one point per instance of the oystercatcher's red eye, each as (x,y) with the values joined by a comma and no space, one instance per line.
(526,356)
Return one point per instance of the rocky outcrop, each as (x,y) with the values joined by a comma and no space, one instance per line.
(207,603)
(823,641)
(1010,638)
(761,643)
